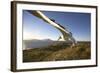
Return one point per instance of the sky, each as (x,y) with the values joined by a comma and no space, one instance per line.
(77,23)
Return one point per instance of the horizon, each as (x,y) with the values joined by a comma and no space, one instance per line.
(53,40)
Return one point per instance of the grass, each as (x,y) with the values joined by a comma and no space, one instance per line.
(58,52)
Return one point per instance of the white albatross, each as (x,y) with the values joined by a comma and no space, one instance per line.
(66,35)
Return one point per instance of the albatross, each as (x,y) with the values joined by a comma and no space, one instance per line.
(66,35)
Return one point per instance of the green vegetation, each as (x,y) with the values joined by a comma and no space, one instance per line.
(57,52)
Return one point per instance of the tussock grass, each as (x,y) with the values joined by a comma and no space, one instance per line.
(58,52)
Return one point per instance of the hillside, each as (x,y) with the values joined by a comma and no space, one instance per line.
(57,52)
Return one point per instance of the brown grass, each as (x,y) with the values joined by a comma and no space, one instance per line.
(58,52)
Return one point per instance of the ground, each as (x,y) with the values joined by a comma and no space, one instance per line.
(58,52)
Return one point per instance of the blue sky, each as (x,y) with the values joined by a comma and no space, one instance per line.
(78,23)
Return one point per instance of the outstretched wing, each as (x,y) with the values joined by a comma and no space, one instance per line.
(37,14)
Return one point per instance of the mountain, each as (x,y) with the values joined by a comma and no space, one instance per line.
(35,43)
